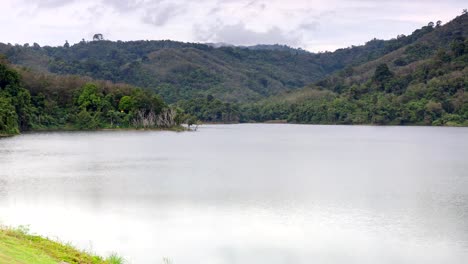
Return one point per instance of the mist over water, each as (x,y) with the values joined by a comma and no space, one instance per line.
(252,193)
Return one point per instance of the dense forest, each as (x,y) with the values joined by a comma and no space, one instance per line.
(419,79)
(424,83)
(38,101)
(182,71)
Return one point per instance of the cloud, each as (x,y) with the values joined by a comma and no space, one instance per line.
(50,3)
(125,6)
(311,24)
(239,34)
(160,15)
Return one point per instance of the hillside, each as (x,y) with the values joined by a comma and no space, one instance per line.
(179,70)
(425,82)
(416,79)
(42,101)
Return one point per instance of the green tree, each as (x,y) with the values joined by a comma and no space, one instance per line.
(126,104)
(20,98)
(90,98)
(8,117)
(382,75)
(84,120)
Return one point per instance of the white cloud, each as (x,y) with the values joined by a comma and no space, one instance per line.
(311,24)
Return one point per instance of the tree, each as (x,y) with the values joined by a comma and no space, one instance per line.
(8,117)
(126,103)
(431,24)
(98,37)
(84,120)
(434,109)
(382,74)
(90,98)
(465,11)
(439,23)
(457,47)
(147,102)
(20,98)
(66,45)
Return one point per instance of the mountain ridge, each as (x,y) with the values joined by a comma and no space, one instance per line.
(179,70)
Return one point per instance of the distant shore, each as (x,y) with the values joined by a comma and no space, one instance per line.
(185,128)
(72,129)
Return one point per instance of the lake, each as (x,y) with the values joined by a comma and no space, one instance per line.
(248,193)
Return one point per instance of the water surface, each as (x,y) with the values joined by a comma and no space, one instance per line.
(231,194)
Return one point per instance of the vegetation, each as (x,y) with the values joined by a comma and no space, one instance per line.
(415,79)
(37,101)
(17,246)
(183,71)
(210,109)
(424,83)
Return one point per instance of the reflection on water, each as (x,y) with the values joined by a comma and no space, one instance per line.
(246,193)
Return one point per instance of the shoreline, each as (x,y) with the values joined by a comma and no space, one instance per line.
(281,122)
(69,129)
(17,245)
(184,128)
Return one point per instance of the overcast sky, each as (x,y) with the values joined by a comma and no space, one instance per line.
(315,25)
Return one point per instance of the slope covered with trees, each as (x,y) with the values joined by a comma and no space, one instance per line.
(181,71)
(425,83)
(35,101)
(416,79)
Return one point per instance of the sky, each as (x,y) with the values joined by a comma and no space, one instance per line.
(314,25)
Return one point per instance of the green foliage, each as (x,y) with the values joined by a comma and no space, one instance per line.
(90,98)
(18,246)
(183,71)
(15,107)
(415,79)
(115,259)
(382,73)
(126,104)
(211,110)
(433,92)
(84,120)
(72,103)
(8,117)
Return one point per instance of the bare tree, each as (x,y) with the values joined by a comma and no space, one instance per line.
(145,120)
(166,119)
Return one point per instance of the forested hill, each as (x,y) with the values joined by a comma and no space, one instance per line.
(425,82)
(42,101)
(186,70)
(421,78)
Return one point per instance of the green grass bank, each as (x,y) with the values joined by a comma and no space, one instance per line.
(18,246)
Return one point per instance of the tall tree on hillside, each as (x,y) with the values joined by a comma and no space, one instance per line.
(382,73)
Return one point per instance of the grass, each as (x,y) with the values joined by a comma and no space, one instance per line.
(17,246)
